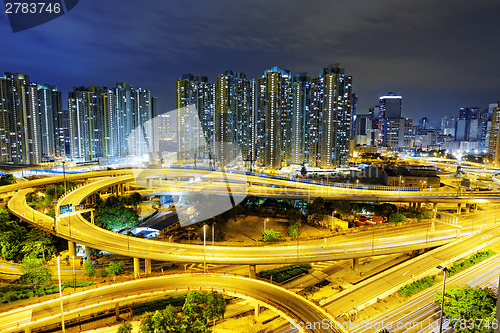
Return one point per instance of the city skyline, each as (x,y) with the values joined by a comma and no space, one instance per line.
(432,54)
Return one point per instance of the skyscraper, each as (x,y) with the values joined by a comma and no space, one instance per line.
(20,135)
(275,121)
(494,138)
(389,108)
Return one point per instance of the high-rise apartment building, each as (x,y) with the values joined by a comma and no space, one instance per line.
(51,121)
(20,134)
(110,122)
(494,137)
(275,121)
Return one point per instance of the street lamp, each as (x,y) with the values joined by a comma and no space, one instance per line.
(444,269)
(204,248)
(60,295)
(265,224)
(74,275)
(64,176)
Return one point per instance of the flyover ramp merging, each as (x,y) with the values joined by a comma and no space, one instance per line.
(286,302)
(77,229)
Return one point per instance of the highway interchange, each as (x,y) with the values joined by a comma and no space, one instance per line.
(389,241)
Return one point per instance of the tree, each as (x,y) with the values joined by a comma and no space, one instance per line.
(89,268)
(115,268)
(303,171)
(125,327)
(7,179)
(318,206)
(464,305)
(270,235)
(34,272)
(11,238)
(397,217)
(293,229)
(38,244)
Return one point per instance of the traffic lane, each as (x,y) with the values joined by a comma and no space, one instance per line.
(303,310)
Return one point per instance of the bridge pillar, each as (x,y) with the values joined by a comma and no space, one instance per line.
(419,205)
(117,311)
(147,267)
(434,210)
(257,309)
(149,183)
(252,270)
(459,209)
(355,264)
(27,329)
(87,253)
(72,249)
(475,207)
(137,268)
(176,180)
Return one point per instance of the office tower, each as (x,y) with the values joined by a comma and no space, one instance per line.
(363,126)
(448,125)
(20,136)
(467,124)
(424,123)
(399,133)
(389,108)
(330,119)
(89,112)
(354,114)
(301,89)
(195,100)
(494,138)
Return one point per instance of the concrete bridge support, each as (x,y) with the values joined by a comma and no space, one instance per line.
(117,311)
(87,253)
(252,270)
(147,267)
(137,268)
(257,309)
(149,183)
(355,264)
(71,249)
(459,209)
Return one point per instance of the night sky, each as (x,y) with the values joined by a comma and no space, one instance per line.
(439,55)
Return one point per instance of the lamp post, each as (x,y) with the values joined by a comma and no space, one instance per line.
(64,176)
(60,295)
(204,248)
(265,224)
(444,269)
(74,275)
(213,240)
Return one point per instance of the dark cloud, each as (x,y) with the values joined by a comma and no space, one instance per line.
(439,55)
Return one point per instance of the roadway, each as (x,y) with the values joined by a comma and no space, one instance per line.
(286,302)
(75,228)
(349,302)
(423,313)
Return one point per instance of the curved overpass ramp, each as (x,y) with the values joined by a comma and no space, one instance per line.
(75,228)
(289,304)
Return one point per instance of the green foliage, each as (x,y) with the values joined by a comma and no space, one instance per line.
(417,286)
(7,179)
(12,293)
(11,240)
(397,217)
(157,304)
(113,215)
(197,310)
(271,235)
(78,284)
(88,267)
(466,263)
(125,327)
(34,272)
(318,206)
(103,273)
(293,229)
(464,304)
(284,273)
(115,268)
(38,244)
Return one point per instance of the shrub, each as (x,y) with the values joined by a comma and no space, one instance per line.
(417,286)
(397,217)
(293,230)
(125,327)
(115,268)
(270,235)
(89,268)
(284,273)
(466,263)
